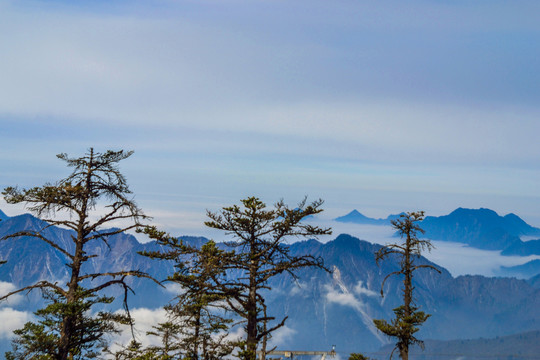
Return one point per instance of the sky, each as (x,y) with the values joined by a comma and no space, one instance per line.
(383,106)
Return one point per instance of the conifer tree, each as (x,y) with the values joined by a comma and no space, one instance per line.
(196,327)
(67,329)
(407,316)
(169,335)
(258,253)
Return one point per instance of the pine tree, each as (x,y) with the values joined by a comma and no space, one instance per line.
(196,325)
(42,340)
(259,254)
(169,334)
(407,316)
(66,329)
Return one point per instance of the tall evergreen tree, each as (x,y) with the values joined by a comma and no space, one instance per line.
(196,327)
(258,254)
(67,330)
(407,316)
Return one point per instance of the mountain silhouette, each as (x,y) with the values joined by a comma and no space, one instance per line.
(324,308)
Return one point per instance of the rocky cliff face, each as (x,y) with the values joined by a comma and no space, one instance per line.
(337,308)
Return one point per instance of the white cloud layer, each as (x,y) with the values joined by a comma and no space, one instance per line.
(6,288)
(281,336)
(11,319)
(144,320)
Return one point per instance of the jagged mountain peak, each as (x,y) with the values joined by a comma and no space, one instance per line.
(357,217)
(353,216)
(345,239)
(319,304)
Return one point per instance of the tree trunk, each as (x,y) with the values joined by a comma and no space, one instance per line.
(404,352)
(251,328)
(195,354)
(407,298)
(66,332)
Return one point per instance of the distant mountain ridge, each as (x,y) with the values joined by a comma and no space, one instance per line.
(523,271)
(320,303)
(480,228)
(523,248)
(30,260)
(358,218)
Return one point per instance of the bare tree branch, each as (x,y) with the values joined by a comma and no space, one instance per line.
(40,237)
(39,285)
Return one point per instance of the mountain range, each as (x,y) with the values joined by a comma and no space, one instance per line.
(324,308)
(478,228)
(358,218)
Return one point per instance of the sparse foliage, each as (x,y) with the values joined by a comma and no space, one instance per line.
(42,340)
(66,329)
(407,316)
(258,253)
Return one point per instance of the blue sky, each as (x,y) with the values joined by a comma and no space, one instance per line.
(381,106)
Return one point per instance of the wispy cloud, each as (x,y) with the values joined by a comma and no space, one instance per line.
(145,319)
(383,104)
